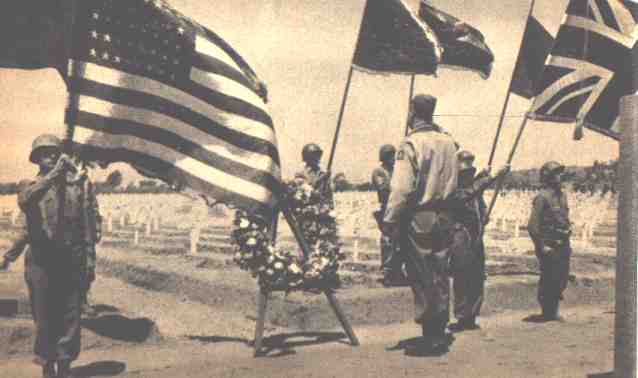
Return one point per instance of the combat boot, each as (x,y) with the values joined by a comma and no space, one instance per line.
(550,311)
(64,369)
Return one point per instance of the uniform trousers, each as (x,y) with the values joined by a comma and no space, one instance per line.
(554,269)
(468,273)
(54,281)
(425,243)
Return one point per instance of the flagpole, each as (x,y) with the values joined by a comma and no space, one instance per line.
(407,123)
(509,91)
(343,102)
(499,184)
(72,106)
(339,119)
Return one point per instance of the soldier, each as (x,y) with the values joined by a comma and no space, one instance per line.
(468,250)
(312,173)
(93,224)
(57,236)
(391,264)
(418,214)
(550,229)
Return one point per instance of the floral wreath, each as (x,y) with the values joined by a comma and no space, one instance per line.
(284,269)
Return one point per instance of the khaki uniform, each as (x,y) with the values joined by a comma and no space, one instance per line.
(468,250)
(549,228)
(425,175)
(58,261)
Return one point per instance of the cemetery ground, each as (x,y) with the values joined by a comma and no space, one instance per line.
(170,302)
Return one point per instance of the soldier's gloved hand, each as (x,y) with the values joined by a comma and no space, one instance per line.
(60,168)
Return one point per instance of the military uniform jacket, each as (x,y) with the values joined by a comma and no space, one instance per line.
(468,205)
(425,172)
(549,221)
(40,202)
(380,181)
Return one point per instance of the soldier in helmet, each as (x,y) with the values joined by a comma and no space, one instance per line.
(468,251)
(391,264)
(550,229)
(312,173)
(418,214)
(58,237)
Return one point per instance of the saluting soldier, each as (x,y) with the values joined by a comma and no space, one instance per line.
(312,172)
(57,235)
(418,214)
(391,263)
(550,229)
(468,250)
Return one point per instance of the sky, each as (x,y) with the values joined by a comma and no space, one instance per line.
(302,50)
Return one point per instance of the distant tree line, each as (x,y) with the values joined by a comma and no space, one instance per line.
(598,178)
(112,184)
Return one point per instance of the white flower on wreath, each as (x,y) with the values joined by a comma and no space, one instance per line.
(270,272)
(278,266)
(270,259)
(244,223)
(251,242)
(294,268)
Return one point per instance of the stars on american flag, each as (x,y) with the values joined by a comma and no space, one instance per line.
(129,39)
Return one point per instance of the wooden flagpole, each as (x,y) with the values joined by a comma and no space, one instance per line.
(343,103)
(70,11)
(335,139)
(499,184)
(509,91)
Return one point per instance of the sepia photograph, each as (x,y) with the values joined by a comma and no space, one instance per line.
(300,188)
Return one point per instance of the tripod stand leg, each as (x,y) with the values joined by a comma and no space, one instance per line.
(332,299)
(262,304)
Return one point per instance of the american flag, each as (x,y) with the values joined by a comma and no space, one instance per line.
(589,68)
(154,89)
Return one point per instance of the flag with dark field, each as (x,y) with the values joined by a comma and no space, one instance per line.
(170,97)
(464,46)
(392,39)
(536,46)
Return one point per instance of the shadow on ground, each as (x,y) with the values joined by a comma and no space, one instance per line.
(218,339)
(285,343)
(99,369)
(602,375)
(415,347)
(119,327)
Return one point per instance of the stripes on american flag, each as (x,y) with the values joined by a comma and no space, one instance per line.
(171,98)
(589,68)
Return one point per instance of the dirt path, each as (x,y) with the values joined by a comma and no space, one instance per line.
(506,346)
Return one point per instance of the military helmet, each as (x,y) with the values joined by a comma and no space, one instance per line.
(386,152)
(43,141)
(311,151)
(549,169)
(465,159)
